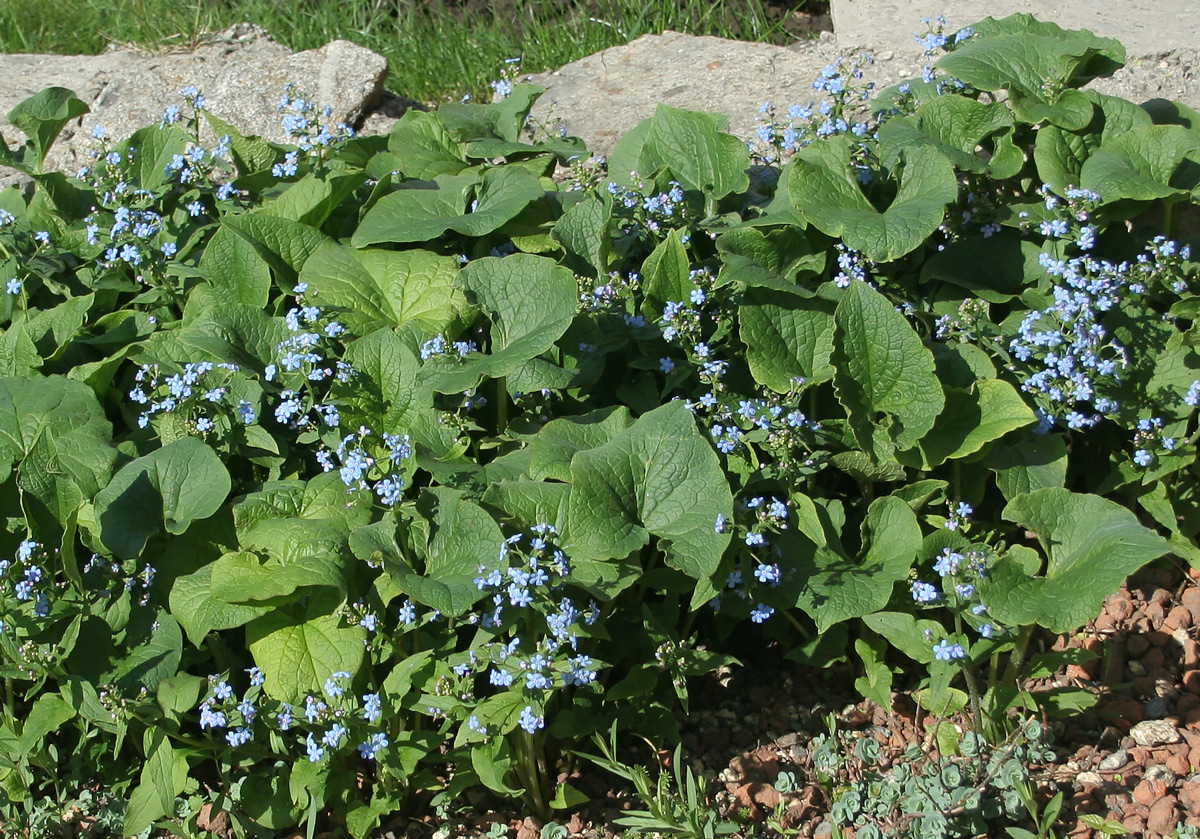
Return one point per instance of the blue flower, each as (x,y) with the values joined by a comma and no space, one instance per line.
(945,651)
(14,286)
(529,721)
(761,613)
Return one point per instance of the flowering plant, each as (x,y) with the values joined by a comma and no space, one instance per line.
(358,457)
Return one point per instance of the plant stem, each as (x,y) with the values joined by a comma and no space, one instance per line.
(501,404)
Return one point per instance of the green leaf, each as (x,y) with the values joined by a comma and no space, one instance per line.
(700,155)
(57,418)
(837,589)
(824,188)
(312,199)
(298,648)
(971,419)
(666,274)
(44,717)
(1034,463)
(42,117)
(420,214)
(906,633)
(659,477)
(155,648)
(167,489)
(881,365)
(248,248)
(163,777)
(559,440)
(245,577)
(585,230)
(250,153)
(530,302)
(387,288)
(787,338)
(994,268)
(1140,163)
(462,535)
(149,150)
(1091,544)
(422,148)
(1038,63)
(953,125)
(876,682)
(1060,154)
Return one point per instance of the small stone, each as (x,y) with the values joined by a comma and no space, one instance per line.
(1160,773)
(1150,733)
(1136,646)
(1088,779)
(1147,792)
(1136,668)
(1178,763)
(1178,618)
(1156,708)
(1114,761)
(1163,817)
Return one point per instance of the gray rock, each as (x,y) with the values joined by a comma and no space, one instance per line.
(241,72)
(1158,772)
(1114,761)
(1088,779)
(1145,27)
(1151,733)
(603,96)
(1156,708)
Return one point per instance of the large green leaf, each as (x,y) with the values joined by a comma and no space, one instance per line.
(659,477)
(198,612)
(530,301)
(163,777)
(1060,154)
(666,275)
(299,647)
(1140,163)
(60,423)
(248,248)
(167,490)
(955,126)
(557,443)
(971,419)
(412,214)
(787,338)
(421,147)
(825,189)
(1038,63)
(387,288)
(1091,546)
(880,365)
(584,230)
(837,589)
(700,155)
(1034,463)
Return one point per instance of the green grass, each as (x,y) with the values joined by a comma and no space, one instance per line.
(435,51)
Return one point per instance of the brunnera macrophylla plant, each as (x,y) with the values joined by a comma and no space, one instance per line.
(348,474)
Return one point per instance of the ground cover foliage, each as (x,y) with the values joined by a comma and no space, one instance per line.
(344,476)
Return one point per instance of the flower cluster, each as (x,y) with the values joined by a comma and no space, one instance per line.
(310,128)
(329,722)
(1070,359)
(644,207)
(535,627)
(956,588)
(370,462)
(780,137)
(306,362)
(25,579)
(199,393)
(113,577)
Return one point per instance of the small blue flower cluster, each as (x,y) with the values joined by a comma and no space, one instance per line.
(440,345)
(656,211)
(851,266)
(762,516)
(1071,360)
(331,720)
(535,626)
(199,393)
(303,365)
(311,131)
(805,124)
(369,462)
(956,588)
(26,580)
(127,578)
